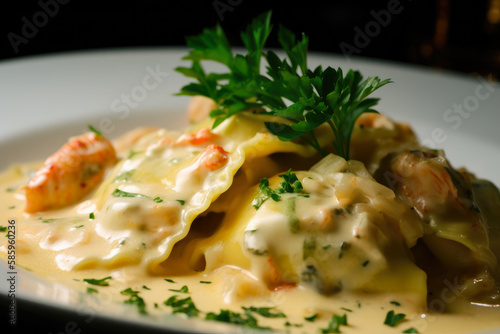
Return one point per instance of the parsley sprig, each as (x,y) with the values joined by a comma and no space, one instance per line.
(289,183)
(303,98)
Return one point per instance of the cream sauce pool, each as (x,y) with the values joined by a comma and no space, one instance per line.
(227,288)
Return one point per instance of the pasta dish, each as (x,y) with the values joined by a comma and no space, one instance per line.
(262,222)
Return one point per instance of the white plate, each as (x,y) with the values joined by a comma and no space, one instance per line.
(44,100)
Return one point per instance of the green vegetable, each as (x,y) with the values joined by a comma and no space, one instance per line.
(392,319)
(134,299)
(91,290)
(289,183)
(121,193)
(184,289)
(305,99)
(335,323)
(311,318)
(125,175)
(185,306)
(91,215)
(246,319)
(94,130)
(3,228)
(265,312)
(99,282)
(411,330)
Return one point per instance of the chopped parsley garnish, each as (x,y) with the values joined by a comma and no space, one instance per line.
(121,193)
(245,319)
(184,289)
(346,309)
(3,228)
(134,299)
(98,282)
(79,226)
(94,130)
(335,323)
(145,287)
(206,282)
(311,318)
(288,324)
(364,264)
(12,207)
(132,154)
(289,183)
(265,312)
(47,221)
(91,215)
(125,175)
(91,290)
(169,280)
(185,306)
(411,330)
(395,303)
(392,319)
(181,201)
(305,99)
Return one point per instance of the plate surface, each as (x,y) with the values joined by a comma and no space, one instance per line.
(44,100)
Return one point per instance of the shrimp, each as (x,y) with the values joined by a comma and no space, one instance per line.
(70,173)
(199,108)
(213,157)
(202,136)
(426,181)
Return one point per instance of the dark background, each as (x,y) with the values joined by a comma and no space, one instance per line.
(457,35)
(462,36)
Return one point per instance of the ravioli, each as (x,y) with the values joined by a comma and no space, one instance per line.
(345,232)
(149,201)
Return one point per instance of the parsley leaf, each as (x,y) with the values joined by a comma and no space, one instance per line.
(411,330)
(94,130)
(99,282)
(184,289)
(303,98)
(335,323)
(91,290)
(289,183)
(311,318)
(392,319)
(246,319)
(185,306)
(120,193)
(3,228)
(134,299)
(265,312)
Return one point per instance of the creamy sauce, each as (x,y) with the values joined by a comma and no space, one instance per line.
(229,288)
